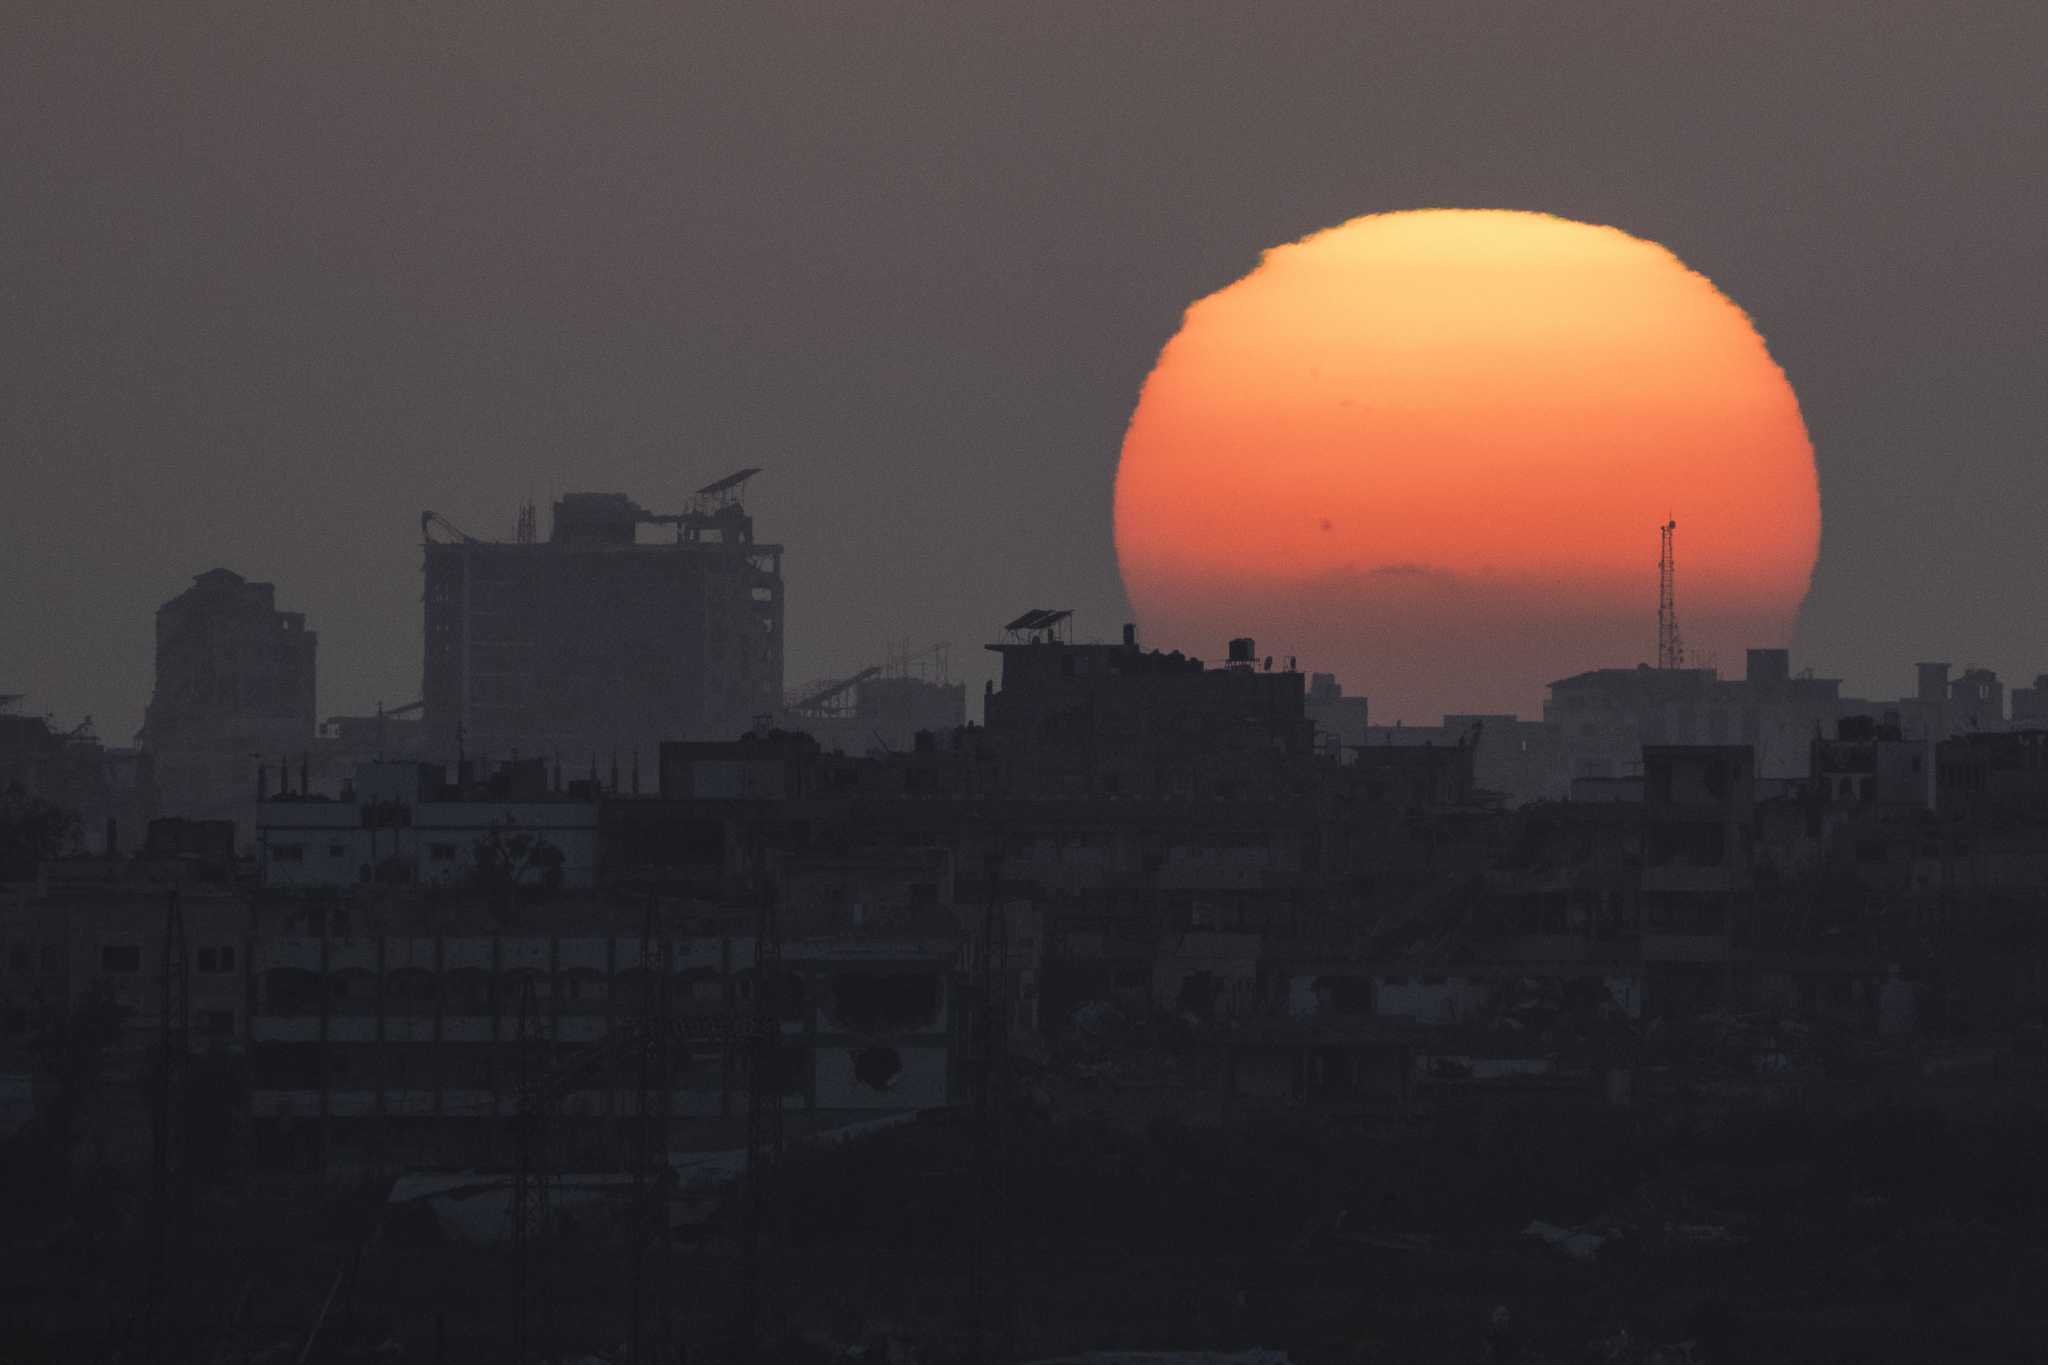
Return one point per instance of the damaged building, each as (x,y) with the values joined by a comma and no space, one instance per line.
(234,685)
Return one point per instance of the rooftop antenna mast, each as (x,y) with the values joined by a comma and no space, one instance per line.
(1670,647)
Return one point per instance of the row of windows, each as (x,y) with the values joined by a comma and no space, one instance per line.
(21,955)
(116,959)
(125,959)
(296,853)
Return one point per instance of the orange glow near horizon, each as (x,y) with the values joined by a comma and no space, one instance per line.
(1430,451)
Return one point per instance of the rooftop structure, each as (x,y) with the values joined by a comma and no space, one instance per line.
(1606,716)
(1126,720)
(884,707)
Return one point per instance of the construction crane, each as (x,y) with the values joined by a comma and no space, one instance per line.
(900,659)
(1670,647)
(813,699)
(430,520)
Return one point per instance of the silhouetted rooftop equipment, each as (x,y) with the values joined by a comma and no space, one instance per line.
(720,494)
(1040,625)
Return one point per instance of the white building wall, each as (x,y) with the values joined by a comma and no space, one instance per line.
(316,845)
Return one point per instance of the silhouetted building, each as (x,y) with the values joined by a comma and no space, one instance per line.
(1339,720)
(1117,719)
(877,709)
(596,643)
(400,823)
(2030,704)
(234,685)
(1976,702)
(1606,717)
(1512,759)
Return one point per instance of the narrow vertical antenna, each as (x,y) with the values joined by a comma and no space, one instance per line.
(1670,647)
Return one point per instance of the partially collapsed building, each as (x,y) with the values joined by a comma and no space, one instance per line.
(234,685)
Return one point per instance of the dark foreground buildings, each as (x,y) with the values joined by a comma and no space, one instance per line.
(1142,976)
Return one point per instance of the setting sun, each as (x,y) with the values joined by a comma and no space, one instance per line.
(1430,451)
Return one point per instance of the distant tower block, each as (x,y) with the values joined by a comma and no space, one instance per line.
(1670,647)
(623,629)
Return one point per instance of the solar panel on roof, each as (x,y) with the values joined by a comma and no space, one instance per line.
(729,481)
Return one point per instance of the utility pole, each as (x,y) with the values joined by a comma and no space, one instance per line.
(170,1174)
(530,1174)
(651,1168)
(991,1256)
(764,1110)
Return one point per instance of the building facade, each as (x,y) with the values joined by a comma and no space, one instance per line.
(234,688)
(599,643)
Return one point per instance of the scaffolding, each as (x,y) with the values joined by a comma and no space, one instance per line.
(760,1234)
(532,1164)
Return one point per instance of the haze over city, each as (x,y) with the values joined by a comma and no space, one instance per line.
(1059,684)
(281,280)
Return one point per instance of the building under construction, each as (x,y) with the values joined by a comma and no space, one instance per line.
(623,629)
(883,707)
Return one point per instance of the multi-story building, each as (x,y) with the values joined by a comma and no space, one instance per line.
(1114,719)
(234,687)
(104,942)
(109,791)
(877,709)
(373,1036)
(1605,718)
(405,823)
(623,629)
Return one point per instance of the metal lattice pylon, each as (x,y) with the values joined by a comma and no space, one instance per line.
(531,1141)
(170,1174)
(1670,647)
(651,1163)
(763,1040)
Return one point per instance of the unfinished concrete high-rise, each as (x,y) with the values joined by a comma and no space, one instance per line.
(607,638)
(234,690)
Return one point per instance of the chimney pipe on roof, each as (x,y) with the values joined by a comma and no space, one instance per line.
(1130,635)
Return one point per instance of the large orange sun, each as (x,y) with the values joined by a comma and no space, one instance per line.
(1430,452)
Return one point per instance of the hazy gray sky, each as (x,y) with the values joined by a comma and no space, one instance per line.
(278,277)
